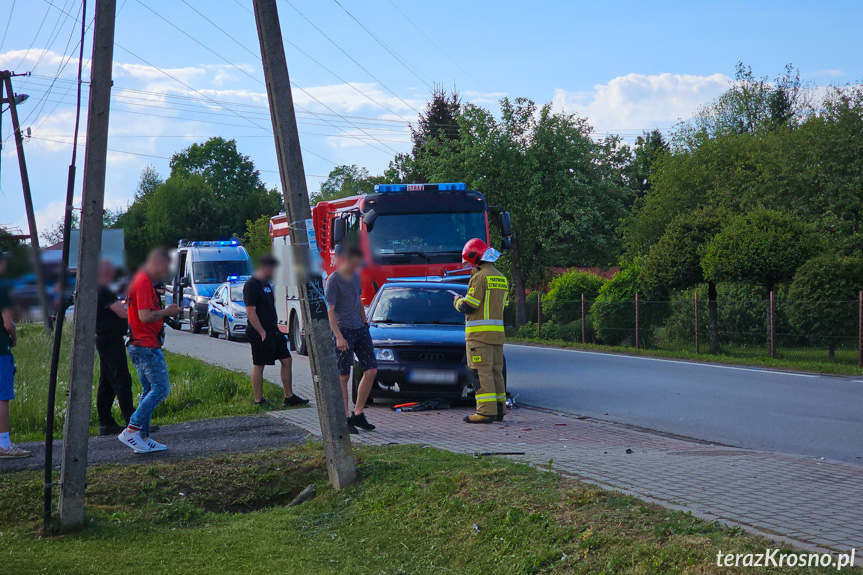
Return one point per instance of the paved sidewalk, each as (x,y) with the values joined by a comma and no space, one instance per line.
(808,502)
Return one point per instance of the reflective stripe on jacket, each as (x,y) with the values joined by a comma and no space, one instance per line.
(487,296)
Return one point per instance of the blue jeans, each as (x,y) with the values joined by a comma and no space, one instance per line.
(153,373)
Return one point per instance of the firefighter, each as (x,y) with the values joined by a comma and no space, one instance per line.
(487,295)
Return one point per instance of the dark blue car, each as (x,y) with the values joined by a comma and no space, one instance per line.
(419,341)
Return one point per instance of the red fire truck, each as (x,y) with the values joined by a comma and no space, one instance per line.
(404,230)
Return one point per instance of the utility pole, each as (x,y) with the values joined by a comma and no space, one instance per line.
(6,77)
(77,431)
(337,444)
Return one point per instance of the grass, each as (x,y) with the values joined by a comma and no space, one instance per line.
(414,511)
(796,359)
(198,390)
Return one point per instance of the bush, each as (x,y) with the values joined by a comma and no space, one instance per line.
(823,299)
(562,303)
(614,309)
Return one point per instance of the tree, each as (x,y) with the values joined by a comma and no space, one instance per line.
(54,234)
(345,181)
(764,247)
(565,190)
(182,208)
(134,220)
(562,303)
(823,299)
(233,180)
(614,309)
(674,262)
(439,120)
(257,238)
(646,153)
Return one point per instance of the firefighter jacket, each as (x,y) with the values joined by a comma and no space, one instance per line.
(487,296)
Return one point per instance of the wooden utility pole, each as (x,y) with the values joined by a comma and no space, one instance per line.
(77,431)
(6,77)
(334,431)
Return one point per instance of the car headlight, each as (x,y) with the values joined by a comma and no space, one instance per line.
(239,314)
(384,354)
(201,299)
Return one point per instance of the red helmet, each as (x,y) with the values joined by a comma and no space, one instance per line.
(473,251)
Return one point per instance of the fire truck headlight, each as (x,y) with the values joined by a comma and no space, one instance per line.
(201,299)
(384,354)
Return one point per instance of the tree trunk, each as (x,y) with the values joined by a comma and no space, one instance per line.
(518,285)
(712,317)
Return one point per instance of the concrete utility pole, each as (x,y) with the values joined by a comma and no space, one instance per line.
(74,469)
(337,444)
(6,77)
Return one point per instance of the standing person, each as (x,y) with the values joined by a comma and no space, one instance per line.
(147,324)
(8,340)
(115,381)
(351,332)
(268,343)
(483,306)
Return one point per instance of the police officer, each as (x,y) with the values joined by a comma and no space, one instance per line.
(487,296)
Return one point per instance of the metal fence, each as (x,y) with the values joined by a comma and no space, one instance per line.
(816,331)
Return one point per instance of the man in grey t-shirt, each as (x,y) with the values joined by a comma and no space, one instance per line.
(351,332)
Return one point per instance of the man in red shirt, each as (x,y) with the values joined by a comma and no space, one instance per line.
(147,324)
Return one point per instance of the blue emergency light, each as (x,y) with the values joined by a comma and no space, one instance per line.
(213,244)
(239,278)
(449,187)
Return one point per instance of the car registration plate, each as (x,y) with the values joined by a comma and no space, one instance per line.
(432,376)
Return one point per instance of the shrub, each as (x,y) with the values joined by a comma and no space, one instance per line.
(562,303)
(614,309)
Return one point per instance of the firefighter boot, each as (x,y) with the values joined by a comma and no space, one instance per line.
(478,418)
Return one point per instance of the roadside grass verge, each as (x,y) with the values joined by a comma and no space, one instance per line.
(791,359)
(198,390)
(414,511)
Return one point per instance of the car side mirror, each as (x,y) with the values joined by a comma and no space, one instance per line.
(369,219)
(185,282)
(505,224)
(340,229)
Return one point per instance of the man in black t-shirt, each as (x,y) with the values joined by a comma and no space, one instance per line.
(268,343)
(114,378)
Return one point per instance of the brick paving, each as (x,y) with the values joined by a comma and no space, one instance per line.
(808,502)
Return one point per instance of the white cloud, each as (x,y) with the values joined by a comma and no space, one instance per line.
(638,101)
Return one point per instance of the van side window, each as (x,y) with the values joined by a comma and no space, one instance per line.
(353,229)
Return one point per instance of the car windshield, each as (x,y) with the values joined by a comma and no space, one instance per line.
(215,272)
(418,305)
(237,293)
(438,238)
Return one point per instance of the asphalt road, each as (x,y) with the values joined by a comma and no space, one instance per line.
(804,414)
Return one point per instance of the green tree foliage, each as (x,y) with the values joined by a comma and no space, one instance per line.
(562,303)
(439,121)
(764,247)
(648,149)
(345,181)
(257,238)
(565,190)
(613,311)
(823,299)
(134,219)
(234,182)
(54,234)
(182,208)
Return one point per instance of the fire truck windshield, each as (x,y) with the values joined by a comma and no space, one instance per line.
(433,238)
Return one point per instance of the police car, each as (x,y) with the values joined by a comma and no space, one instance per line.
(226,312)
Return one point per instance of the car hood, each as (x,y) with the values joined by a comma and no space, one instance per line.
(411,334)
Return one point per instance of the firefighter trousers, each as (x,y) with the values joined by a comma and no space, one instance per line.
(487,360)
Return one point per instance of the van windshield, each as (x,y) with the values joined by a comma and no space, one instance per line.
(216,272)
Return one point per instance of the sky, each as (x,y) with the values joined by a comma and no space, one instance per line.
(187,70)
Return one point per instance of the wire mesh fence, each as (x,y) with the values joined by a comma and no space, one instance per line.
(806,331)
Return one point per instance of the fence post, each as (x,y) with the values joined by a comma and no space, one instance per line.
(637,318)
(771,324)
(860,329)
(539,313)
(584,330)
(697,346)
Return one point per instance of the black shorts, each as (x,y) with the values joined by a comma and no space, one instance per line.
(359,344)
(266,352)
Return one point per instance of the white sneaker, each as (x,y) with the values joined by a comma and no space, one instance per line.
(155,445)
(134,440)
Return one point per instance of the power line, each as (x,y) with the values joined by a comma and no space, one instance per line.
(435,44)
(384,46)
(6,31)
(251,76)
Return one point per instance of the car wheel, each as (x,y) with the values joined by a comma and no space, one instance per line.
(194,326)
(228,335)
(210,330)
(297,339)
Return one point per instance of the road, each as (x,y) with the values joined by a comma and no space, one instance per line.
(797,413)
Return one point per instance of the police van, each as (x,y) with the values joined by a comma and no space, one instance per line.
(199,268)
